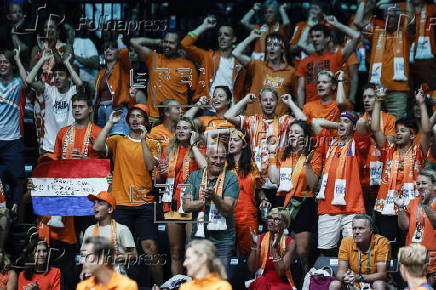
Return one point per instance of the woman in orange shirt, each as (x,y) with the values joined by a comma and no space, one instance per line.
(8,277)
(239,161)
(296,173)
(41,275)
(179,160)
(419,216)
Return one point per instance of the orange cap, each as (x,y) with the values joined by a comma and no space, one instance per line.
(105,196)
(143,108)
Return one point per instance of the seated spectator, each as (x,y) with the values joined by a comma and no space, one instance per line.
(414,260)
(204,267)
(362,257)
(8,277)
(272,254)
(99,256)
(56,97)
(118,235)
(4,217)
(41,275)
(418,218)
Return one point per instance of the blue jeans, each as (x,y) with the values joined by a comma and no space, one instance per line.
(104,112)
(12,168)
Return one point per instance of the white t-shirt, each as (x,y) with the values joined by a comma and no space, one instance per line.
(223,75)
(84,47)
(123,236)
(57,114)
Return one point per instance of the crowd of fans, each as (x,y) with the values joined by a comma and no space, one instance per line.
(301,140)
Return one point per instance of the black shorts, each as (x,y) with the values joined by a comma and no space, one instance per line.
(139,219)
(306,218)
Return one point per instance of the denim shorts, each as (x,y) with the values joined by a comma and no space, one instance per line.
(103,114)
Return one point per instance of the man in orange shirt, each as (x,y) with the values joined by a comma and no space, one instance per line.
(171,76)
(274,72)
(219,67)
(323,59)
(340,196)
(362,257)
(99,256)
(132,183)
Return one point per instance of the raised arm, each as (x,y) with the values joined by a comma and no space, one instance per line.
(362,14)
(341,96)
(284,15)
(425,121)
(353,34)
(100,141)
(140,44)
(301,92)
(245,21)
(320,123)
(198,106)
(30,79)
(232,115)
(198,156)
(238,52)
(298,113)
(379,135)
(74,76)
(304,43)
(20,66)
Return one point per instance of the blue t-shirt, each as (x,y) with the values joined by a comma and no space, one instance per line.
(230,188)
(10,109)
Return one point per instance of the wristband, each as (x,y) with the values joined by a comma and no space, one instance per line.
(276,260)
(193,34)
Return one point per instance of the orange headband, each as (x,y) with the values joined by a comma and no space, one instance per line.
(239,134)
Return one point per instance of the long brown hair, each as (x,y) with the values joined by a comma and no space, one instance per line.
(174,143)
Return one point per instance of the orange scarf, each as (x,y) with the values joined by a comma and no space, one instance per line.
(374,156)
(290,177)
(264,251)
(340,177)
(413,161)
(2,196)
(421,48)
(378,57)
(171,178)
(68,143)
(260,143)
(96,232)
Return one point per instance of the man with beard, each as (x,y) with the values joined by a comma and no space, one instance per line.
(264,128)
(213,196)
(171,75)
(220,67)
(362,257)
(324,59)
(132,182)
(402,162)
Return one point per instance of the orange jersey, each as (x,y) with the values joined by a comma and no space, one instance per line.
(316,109)
(170,78)
(48,280)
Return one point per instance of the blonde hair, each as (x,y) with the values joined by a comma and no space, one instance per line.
(330,75)
(284,214)
(174,143)
(415,258)
(206,247)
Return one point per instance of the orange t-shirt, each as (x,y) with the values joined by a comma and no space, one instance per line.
(170,78)
(262,76)
(301,187)
(130,173)
(316,109)
(49,280)
(161,133)
(429,236)
(315,63)
(78,141)
(117,281)
(378,253)
(352,173)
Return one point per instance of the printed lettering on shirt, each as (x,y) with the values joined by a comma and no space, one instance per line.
(273,82)
(137,79)
(185,75)
(314,68)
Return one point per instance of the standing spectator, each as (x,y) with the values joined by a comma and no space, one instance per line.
(99,256)
(271,10)
(272,254)
(220,67)
(118,235)
(11,143)
(8,277)
(204,267)
(340,196)
(418,218)
(40,274)
(402,162)
(112,86)
(132,183)
(56,98)
(413,261)
(324,59)
(296,171)
(272,72)
(176,77)
(214,192)
(363,246)
(182,157)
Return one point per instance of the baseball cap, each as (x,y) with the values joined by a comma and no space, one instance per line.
(141,107)
(105,196)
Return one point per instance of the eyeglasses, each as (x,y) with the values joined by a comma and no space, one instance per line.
(275,219)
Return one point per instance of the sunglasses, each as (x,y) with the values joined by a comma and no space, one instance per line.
(275,219)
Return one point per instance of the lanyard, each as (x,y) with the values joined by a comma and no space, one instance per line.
(369,260)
